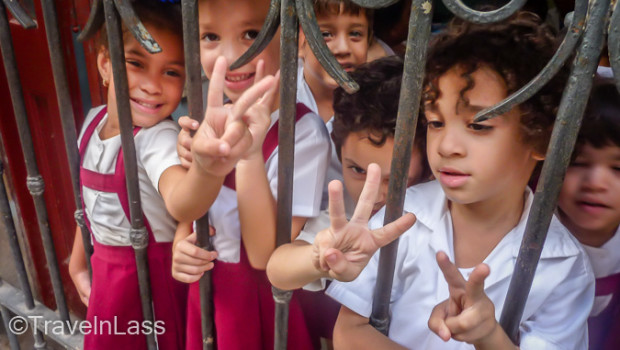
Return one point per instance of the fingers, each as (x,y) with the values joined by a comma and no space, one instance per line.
(215,95)
(260,71)
(337,215)
(450,272)
(437,321)
(184,144)
(339,266)
(474,288)
(249,97)
(386,234)
(367,199)
(186,123)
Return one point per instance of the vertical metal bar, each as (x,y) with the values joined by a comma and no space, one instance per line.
(286,153)
(138,234)
(408,110)
(191,43)
(66,115)
(6,319)
(558,157)
(9,228)
(34,180)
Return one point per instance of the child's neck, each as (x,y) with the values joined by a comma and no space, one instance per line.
(110,127)
(324,98)
(479,227)
(592,238)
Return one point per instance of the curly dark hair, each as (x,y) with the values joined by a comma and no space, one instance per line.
(517,49)
(374,107)
(332,7)
(601,121)
(154,13)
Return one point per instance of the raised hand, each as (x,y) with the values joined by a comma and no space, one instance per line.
(223,137)
(184,140)
(345,248)
(190,262)
(468,315)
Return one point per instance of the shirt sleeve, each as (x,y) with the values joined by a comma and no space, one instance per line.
(157,149)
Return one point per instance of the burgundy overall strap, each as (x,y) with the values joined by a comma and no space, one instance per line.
(608,285)
(270,143)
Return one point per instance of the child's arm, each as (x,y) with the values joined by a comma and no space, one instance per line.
(221,140)
(353,331)
(468,315)
(189,262)
(291,266)
(345,248)
(78,269)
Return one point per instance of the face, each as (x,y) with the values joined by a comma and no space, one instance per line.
(228,28)
(475,162)
(590,197)
(155,80)
(358,152)
(346,36)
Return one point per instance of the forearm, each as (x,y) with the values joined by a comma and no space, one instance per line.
(353,331)
(291,267)
(77,262)
(497,340)
(257,210)
(189,194)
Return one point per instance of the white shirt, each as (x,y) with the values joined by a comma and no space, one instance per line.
(155,152)
(311,157)
(605,261)
(555,313)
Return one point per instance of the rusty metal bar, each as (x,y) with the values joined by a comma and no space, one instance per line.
(19,14)
(34,180)
(289,39)
(191,44)
(135,26)
(66,116)
(374,4)
(266,34)
(463,11)
(613,43)
(558,157)
(137,234)
(408,110)
(94,22)
(6,319)
(565,51)
(314,37)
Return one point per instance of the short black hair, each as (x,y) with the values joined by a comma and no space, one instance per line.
(601,122)
(374,107)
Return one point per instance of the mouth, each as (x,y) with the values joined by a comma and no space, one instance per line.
(348,67)
(589,205)
(146,106)
(452,178)
(239,81)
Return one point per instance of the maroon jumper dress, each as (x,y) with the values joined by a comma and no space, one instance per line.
(604,329)
(244,310)
(114,310)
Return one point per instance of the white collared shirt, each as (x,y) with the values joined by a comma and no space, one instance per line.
(555,313)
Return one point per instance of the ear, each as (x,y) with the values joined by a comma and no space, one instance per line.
(301,53)
(537,156)
(104,65)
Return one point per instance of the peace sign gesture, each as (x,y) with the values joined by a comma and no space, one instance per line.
(468,315)
(344,249)
(224,137)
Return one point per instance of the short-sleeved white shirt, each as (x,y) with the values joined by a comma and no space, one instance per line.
(311,158)
(605,261)
(155,152)
(555,313)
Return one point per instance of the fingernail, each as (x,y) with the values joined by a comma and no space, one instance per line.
(331,258)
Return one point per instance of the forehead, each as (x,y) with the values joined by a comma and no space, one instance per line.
(609,152)
(483,87)
(343,18)
(216,12)
(358,147)
(171,44)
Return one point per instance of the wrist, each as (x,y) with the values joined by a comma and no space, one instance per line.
(253,156)
(495,339)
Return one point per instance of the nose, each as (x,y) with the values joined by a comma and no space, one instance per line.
(232,51)
(339,46)
(450,143)
(596,178)
(382,195)
(151,84)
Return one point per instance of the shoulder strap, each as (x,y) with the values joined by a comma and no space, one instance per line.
(90,129)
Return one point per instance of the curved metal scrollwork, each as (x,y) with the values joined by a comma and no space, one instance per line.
(96,19)
(613,44)
(20,14)
(374,4)
(566,49)
(307,19)
(266,34)
(463,11)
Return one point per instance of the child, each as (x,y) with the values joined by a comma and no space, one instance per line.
(244,214)
(346,28)
(364,126)
(155,86)
(474,214)
(589,206)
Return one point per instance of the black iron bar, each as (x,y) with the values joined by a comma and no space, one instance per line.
(34,180)
(374,4)
(462,11)
(94,22)
(408,110)
(135,26)
(289,38)
(66,116)
(191,43)
(19,14)
(563,139)
(6,319)
(564,52)
(137,234)
(613,43)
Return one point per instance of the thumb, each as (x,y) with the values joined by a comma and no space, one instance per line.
(393,230)
(191,238)
(337,264)
(437,321)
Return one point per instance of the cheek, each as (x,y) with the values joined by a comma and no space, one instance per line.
(207,61)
